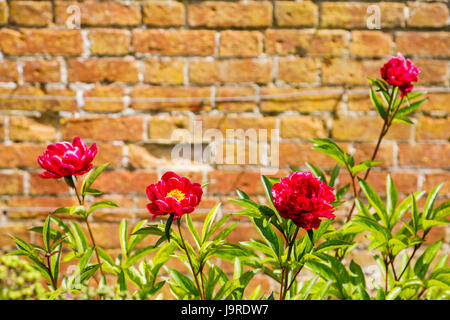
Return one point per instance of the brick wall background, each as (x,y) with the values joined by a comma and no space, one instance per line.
(51,75)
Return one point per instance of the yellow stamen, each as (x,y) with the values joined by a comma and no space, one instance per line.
(177,194)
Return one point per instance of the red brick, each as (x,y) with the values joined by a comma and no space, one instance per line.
(433,71)
(364,151)
(19,230)
(234,43)
(103,69)
(424,155)
(45,41)
(40,186)
(154,92)
(229,71)
(124,182)
(174,42)
(20,155)
(295,154)
(30,13)
(39,70)
(102,128)
(3,13)
(109,153)
(8,71)
(434,179)
(162,128)
(164,13)
(100,13)
(302,127)
(424,44)
(437,101)
(249,14)
(226,181)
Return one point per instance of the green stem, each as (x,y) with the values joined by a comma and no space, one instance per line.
(194,273)
(285,270)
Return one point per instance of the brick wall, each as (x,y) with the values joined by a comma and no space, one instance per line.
(54,81)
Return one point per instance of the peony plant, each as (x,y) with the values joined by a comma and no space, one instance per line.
(296,224)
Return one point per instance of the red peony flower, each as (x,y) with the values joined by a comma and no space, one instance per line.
(173,195)
(400,72)
(304,199)
(65,159)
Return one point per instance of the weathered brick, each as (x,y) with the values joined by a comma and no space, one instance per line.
(364,151)
(45,41)
(434,179)
(164,71)
(29,98)
(20,155)
(296,14)
(162,128)
(427,15)
(8,71)
(111,153)
(308,100)
(103,69)
(343,71)
(18,229)
(367,128)
(249,14)
(295,154)
(149,156)
(177,93)
(298,70)
(38,70)
(433,129)
(90,104)
(40,186)
(424,44)
(103,129)
(123,182)
(163,13)
(245,104)
(3,13)
(433,71)
(437,101)
(174,42)
(230,71)
(225,122)
(31,129)
(11,183)
(351,15)
(234,43)
(370,44)
(226,181)
(111,42)
(30,13)
(302,127)
(359,101)
(100,13)
(327,43)
(424,155)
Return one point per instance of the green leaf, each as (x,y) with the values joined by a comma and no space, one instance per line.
(429,204)
(410,108)
(331,245)
(415,215)
(317,172)
(69,181)
(99,205)
(209,221)
(392,197)
(46,234)
(377,104)
(334,175)
(364,165)
(94,192)
(193,231)
(168,225)
(78,210)
(269,235)
(242,194)
(375,201)
(62,210)
(123,236)
(184,282)
(90,178)
(424,261)
(139,254)
(88,272)
(331,149)
(342,191)
(79,237)
(394,293)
